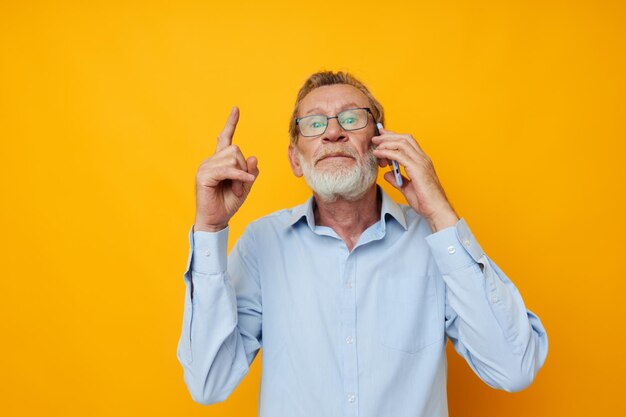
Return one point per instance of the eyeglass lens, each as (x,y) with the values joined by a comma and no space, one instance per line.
(315,125)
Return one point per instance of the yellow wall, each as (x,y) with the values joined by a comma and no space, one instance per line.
(107,110)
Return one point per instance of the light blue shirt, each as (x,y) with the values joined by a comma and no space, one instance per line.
(351,333)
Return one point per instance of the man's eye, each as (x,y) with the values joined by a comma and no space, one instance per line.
(349,121)
(316,124)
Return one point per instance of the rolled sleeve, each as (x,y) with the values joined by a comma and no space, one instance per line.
(454,247)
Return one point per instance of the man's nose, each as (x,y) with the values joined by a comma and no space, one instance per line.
(334,132)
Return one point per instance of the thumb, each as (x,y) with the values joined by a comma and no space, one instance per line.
(253,168)
(252,164)
(391,179)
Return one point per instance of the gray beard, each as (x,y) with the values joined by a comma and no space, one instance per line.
(350,183)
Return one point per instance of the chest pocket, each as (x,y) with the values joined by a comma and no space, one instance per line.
(408,313)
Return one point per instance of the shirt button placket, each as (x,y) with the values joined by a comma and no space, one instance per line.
(349,337)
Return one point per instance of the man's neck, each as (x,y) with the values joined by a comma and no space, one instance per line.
(349,219)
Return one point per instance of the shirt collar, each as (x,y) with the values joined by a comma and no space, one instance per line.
(388,206)
(303,210)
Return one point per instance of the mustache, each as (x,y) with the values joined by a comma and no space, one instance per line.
(335,151)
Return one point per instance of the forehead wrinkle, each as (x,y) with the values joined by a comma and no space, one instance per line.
(345,106)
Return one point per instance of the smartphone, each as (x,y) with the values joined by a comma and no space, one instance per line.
(396,167)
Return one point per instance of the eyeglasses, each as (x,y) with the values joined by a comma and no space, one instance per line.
(316,124)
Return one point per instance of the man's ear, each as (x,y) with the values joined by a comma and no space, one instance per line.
(294,161)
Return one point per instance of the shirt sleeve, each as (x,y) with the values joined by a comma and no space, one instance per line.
(216,347)
(486,319)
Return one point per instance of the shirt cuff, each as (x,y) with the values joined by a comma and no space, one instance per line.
(454,247)
(208,251)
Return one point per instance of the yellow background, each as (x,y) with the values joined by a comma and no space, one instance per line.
(106,111)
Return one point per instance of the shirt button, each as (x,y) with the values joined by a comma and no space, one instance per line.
(494,299)
(451,249)
(351,398)
(348,285)
(466,242)
(207,253)
(349,340)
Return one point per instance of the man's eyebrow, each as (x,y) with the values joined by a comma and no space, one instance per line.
(318,110)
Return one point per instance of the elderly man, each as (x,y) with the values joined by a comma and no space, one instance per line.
(351,295)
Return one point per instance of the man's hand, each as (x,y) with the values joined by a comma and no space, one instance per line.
(223,181)
(422,189)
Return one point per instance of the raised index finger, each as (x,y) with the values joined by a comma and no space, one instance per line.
(225,138)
